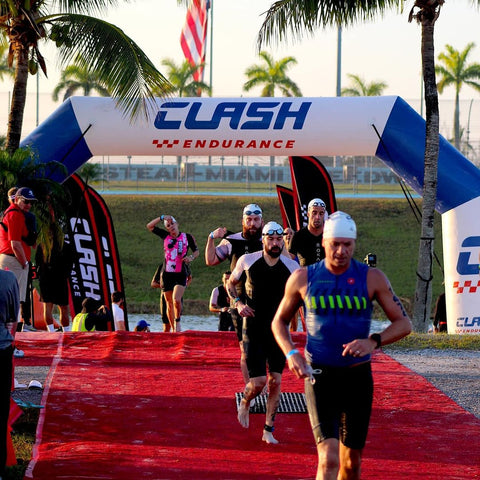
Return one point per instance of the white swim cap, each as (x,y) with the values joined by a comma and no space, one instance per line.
(340,225)
(252,209)
(272,228)
(317,202)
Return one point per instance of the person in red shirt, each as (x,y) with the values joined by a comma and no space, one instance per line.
(15,247)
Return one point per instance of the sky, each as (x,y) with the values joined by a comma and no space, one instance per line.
(386,50)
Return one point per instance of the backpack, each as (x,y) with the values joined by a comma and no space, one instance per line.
(30,222)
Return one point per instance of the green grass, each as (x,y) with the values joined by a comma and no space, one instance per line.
(420,341)
(387,228)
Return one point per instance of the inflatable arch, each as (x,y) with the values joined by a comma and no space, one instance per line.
(387,127)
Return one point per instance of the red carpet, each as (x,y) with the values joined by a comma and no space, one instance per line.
(162,406)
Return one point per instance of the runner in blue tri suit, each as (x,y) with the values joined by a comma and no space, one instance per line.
(338,294)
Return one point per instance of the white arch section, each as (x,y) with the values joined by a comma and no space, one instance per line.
(387,127)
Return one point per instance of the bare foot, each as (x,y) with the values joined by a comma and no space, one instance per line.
(269,438)
(243,413)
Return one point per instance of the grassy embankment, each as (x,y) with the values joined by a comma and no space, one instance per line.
(387,228)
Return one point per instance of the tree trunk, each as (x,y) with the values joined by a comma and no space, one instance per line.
(423,291)
(19,98)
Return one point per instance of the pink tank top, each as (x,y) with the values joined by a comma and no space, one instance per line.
(175,250)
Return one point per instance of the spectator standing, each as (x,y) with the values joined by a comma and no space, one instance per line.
(338,294)
(17,236)
(306,243)
(9,310)
(440,315)
(118,300)
(175,266)
(266,273)
(54,266)
(220,303)
(232,247)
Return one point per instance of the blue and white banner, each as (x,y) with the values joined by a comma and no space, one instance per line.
(383,126)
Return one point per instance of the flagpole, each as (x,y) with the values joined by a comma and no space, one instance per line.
(211,46)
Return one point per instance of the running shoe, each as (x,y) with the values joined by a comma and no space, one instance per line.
(28,328)
(18,353)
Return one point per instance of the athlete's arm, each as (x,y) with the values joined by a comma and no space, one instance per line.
(211,257)
(379,289)
(295,291)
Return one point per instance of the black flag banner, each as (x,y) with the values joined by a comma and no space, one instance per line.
(96,270)
(310,179)
(287,206)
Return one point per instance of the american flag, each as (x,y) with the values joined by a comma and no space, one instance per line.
(194,35)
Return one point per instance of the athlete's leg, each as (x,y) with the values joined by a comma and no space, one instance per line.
(64,315)
(170,310)
(253,388)
(274,392)
(350,463)
(178,291)
(328,459)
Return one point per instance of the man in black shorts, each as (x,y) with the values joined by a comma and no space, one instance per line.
(338,293)
(232,247)
(266,273)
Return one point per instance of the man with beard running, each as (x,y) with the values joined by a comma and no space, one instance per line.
(306,243)
(232,247)
(266,272)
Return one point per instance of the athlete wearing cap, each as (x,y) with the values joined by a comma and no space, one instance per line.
(266,273)
(16,238)
(338,294)
(306,243)
(232,247)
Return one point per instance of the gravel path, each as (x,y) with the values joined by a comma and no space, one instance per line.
(454,372)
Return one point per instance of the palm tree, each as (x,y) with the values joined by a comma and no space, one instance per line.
(102,48)
(359,88)
(75,78)
(181,79)
(455,71)
(90,173)
(22,169)
(298,17)
(4,68)
(271,75)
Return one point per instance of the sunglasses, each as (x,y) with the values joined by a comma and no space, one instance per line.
(252,212)
(28,202)
(318,204)
(274,231)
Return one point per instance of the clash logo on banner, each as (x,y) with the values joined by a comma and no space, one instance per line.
(241,115)
(258,116)
(96,271)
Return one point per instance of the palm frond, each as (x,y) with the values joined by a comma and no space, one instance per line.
(101,47)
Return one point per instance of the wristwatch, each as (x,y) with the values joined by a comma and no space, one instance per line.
(376,338)
(25,265)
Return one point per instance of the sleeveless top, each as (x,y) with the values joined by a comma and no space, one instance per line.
(338,310)
(175,250)
(78,324)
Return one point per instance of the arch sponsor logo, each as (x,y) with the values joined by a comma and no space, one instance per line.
(228,116)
